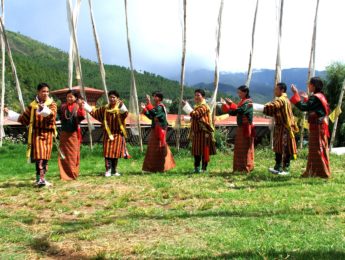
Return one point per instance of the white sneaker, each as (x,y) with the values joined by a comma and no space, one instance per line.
(116,174)
(107,174)
(40,183)
(48,184)
(283,173)
(272,170)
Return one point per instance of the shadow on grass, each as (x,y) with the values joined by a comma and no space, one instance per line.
(325,255)
(16,184)
(42,246)
(168,173)
(91,174)
(66,227)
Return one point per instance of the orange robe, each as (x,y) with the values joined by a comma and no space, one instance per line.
(115,148)
(203,143)
(43,131)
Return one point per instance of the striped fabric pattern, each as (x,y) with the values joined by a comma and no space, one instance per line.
(42,144)
(70,147)
(112,148)
(201,131)
(243,152)
(318,156)
(47,123)
(278,111)
(43,131)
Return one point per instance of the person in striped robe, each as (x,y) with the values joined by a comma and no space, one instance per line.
(202,130)
(112,117)
(285,127)
(318,110)
(40,116)
(158,156)
(244,140)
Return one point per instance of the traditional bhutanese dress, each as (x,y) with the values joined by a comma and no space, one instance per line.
(40,137)
(202,132)
(244,140)
(318,156)
(70,139)
(114,130)
(158,156)
(285,127)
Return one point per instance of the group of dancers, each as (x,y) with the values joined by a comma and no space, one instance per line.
(40,117)
(285,128)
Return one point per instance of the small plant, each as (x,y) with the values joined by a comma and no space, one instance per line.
(221,136)
(11,139)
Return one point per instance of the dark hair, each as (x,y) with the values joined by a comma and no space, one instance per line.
(113,92)
(158,94)
(317,83)
(42,85)
(282,86)
(201,91)
(73,92)
(245,89)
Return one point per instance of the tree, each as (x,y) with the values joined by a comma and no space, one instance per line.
(335,76)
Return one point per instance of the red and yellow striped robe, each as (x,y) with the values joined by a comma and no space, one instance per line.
(202,131)
(43,131)
(284,127)
(112,148)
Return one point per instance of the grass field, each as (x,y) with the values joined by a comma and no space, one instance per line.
(171,215)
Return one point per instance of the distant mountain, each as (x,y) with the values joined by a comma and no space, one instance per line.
(37,62)
(261,85)
(230,90)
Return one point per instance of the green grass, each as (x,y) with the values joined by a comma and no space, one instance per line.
(170,215)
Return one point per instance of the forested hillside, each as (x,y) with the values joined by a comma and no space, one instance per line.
(37,62)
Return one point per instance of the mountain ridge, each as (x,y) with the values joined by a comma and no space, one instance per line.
(38,62)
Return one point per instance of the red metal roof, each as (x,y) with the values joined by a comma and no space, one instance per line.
(77,88)
(259,121)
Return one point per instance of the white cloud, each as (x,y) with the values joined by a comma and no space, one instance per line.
(155,30)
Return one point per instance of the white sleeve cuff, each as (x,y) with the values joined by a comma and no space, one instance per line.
(123,109)
(187,108)
(258,107)
(45,111)
(186,119)
(13,116)
(87,107)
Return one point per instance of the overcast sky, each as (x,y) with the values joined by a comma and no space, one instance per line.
(155,31)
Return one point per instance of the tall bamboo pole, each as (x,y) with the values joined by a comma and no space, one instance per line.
(13,66)
(99,51)
(277,76)
(133,91)
(251,53)
(79,74)
(71,56)
(216,70)
(182,76)
(311,67)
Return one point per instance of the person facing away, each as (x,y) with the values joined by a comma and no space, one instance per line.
(71,114)
(244,141)
(285,127)
(318,110)
(112,116)
(202,130)
(40,117)
(158,156)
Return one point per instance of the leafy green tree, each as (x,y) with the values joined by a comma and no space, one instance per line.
(334,82)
